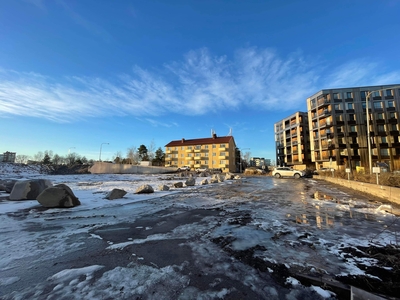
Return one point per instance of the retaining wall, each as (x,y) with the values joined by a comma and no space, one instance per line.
(110,168)
(388,193)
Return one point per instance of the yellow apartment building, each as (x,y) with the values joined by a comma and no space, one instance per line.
(212,153)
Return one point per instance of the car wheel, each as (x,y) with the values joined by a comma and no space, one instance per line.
(277,175)
(297,176)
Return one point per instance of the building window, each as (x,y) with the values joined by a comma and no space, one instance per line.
(214,146)
(169,155)
(183,148)
(222,145)
(222,162)
(352,117)
(384,140)
(198,147)
(338,106)
(350,105)
(363,94)
(206,154)
(169,148)
(349,95)
(378,104)
(385,152)
(390,103)
(353,128)
(206,146)
(380,116)
(364,105)
(222,154)
(381,128)
(376,94)
(338,118)
(214,154)
(197,154)
(392,115)
(206,162)
(189,147)
(393,127)
(336,96)
(389,93)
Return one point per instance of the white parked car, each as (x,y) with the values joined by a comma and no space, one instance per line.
(199,170)
(287,172)
(184,168)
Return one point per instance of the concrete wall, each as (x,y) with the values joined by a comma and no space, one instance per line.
(388,193)
(109,168)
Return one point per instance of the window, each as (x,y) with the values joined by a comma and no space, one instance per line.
(189,147)
(390,103)
(384,140)
(190,155)
(198,147)
(352,117)
(182,148)
(206,146)
(338,118)
(214,146)
(336,96)
(206,162)
(176,155)
(378,104)
(350,105)
(389,93)
(353,128)
(392,115)
(380,116)
(363,94)
(349,95)
(169,155)
(214,154)
(222,162)
(222,154)
(376,94)
(338,107)
(393,127)
(385,152)
(222,146)
(206,154)
(176,148)
(169,148)
(197,155)
(381,128)
(364,105)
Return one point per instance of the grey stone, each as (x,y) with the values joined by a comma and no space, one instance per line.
(218,177)
(204,182)
(116,194)
(237,177)
(7,185)
(190,181)
(59,195)
(144,189)
(214,180)
(163,187)
(178,184)
(229,176)
(29,189)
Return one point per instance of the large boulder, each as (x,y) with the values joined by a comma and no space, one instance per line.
(190,181)
(204,182)
(59,195)
(229,176)
(29,189)
(116,194)
(144,189)
(7,185)
(218,177)
(178,184)
(163,187)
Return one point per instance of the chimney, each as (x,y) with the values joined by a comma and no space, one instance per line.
(214,136)
(183,140)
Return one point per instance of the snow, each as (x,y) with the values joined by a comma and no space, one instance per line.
(296,230)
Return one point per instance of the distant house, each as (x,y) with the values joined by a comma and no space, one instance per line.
(212,153)
(8,157)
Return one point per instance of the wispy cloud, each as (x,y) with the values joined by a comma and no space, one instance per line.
(200,83)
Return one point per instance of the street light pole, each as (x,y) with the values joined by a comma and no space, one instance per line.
(100,149)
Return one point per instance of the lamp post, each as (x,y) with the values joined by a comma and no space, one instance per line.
(368,95)
(101,148)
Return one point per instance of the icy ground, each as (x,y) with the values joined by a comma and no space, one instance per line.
(251,239)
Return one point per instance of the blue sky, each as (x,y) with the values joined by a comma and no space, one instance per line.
(82,73)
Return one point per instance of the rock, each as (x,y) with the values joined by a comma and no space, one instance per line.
(190,182)
(29,189)
(204,182)
(202,174)
(178,184)
(163,187)
(217,177)
(214,180)
(59,195)
(144,189)
(116,194)
(229,176)
(7,185)
(237,177)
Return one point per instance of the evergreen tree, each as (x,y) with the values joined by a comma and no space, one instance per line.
(143,155)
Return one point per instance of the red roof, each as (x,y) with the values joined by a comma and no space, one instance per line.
(202,141)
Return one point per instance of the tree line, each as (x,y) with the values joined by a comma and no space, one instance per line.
(133,156)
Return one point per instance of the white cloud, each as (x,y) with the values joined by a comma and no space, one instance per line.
(200,83)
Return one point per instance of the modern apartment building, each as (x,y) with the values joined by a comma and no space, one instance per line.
(8,157)
(292,141)
(212,153)
(338,127)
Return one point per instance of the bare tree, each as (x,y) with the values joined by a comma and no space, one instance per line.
(133,155)
(117,158)
(246,157)
(49,153)
(151,150)
(21,159)
(57,159)
(72,158)
(38,157)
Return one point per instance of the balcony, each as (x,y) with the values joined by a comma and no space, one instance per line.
(189,150)
(223,149)
(223,157)
(189,158)
(197,150)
